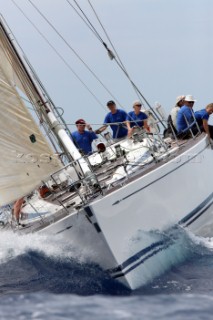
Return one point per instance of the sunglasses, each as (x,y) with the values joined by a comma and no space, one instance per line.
(137,105)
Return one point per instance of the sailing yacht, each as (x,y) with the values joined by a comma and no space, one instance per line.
(121,201)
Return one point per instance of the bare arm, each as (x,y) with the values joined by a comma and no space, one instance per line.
(128,125)
(101,129)
(17,208)
(130,130)
(146,125)
(206,127)
(88,126)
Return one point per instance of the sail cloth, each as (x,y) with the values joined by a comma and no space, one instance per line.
(26,157)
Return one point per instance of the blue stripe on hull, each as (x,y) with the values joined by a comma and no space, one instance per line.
(150,251)
(199,209)
(121,274)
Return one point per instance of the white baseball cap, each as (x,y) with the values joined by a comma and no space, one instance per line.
(189,98)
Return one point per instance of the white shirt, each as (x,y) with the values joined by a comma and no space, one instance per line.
(173,114)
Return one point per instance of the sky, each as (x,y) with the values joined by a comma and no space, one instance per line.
(165,45)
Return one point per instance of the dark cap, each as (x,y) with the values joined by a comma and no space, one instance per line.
(80,121)
(110,103)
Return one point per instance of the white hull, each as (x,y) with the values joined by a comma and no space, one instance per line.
(122,200)
(177,192)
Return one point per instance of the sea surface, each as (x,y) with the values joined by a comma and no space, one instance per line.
(45,278)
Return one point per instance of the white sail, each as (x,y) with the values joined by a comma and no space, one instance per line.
(26,157)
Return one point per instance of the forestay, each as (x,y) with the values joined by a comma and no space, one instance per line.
(26,157)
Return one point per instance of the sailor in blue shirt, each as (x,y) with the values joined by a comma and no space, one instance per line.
(136,118)
(83,139)
(185,114)
(115,116)
(202,117)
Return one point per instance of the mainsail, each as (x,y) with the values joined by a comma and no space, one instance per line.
(26,158)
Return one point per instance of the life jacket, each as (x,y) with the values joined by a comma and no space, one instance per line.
(44,191)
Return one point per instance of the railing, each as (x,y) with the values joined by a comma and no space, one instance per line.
(67,181)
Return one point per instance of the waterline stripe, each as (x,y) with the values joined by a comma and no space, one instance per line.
(142,261)
(160,245)
(139,254)
(197,209)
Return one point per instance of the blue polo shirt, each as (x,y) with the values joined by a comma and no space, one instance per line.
(84,140)
(119,131)
(201,114)
(138,118)
(184,112)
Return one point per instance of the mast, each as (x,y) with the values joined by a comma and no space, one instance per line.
(35,93)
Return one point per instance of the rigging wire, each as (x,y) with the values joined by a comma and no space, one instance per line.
(30,66)
(85,20)
(31,108)
(71,48)
(104,30)
(113,56)
(59,55)
(110,53)
(93,29)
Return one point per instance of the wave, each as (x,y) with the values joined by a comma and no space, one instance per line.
(30,263)
(189,266)
(34,262)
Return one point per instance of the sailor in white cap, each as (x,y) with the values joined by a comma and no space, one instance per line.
(185,115)
(174,111)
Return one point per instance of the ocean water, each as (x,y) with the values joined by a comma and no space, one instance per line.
(45,278)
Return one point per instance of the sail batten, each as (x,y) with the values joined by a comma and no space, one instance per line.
(26,159)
